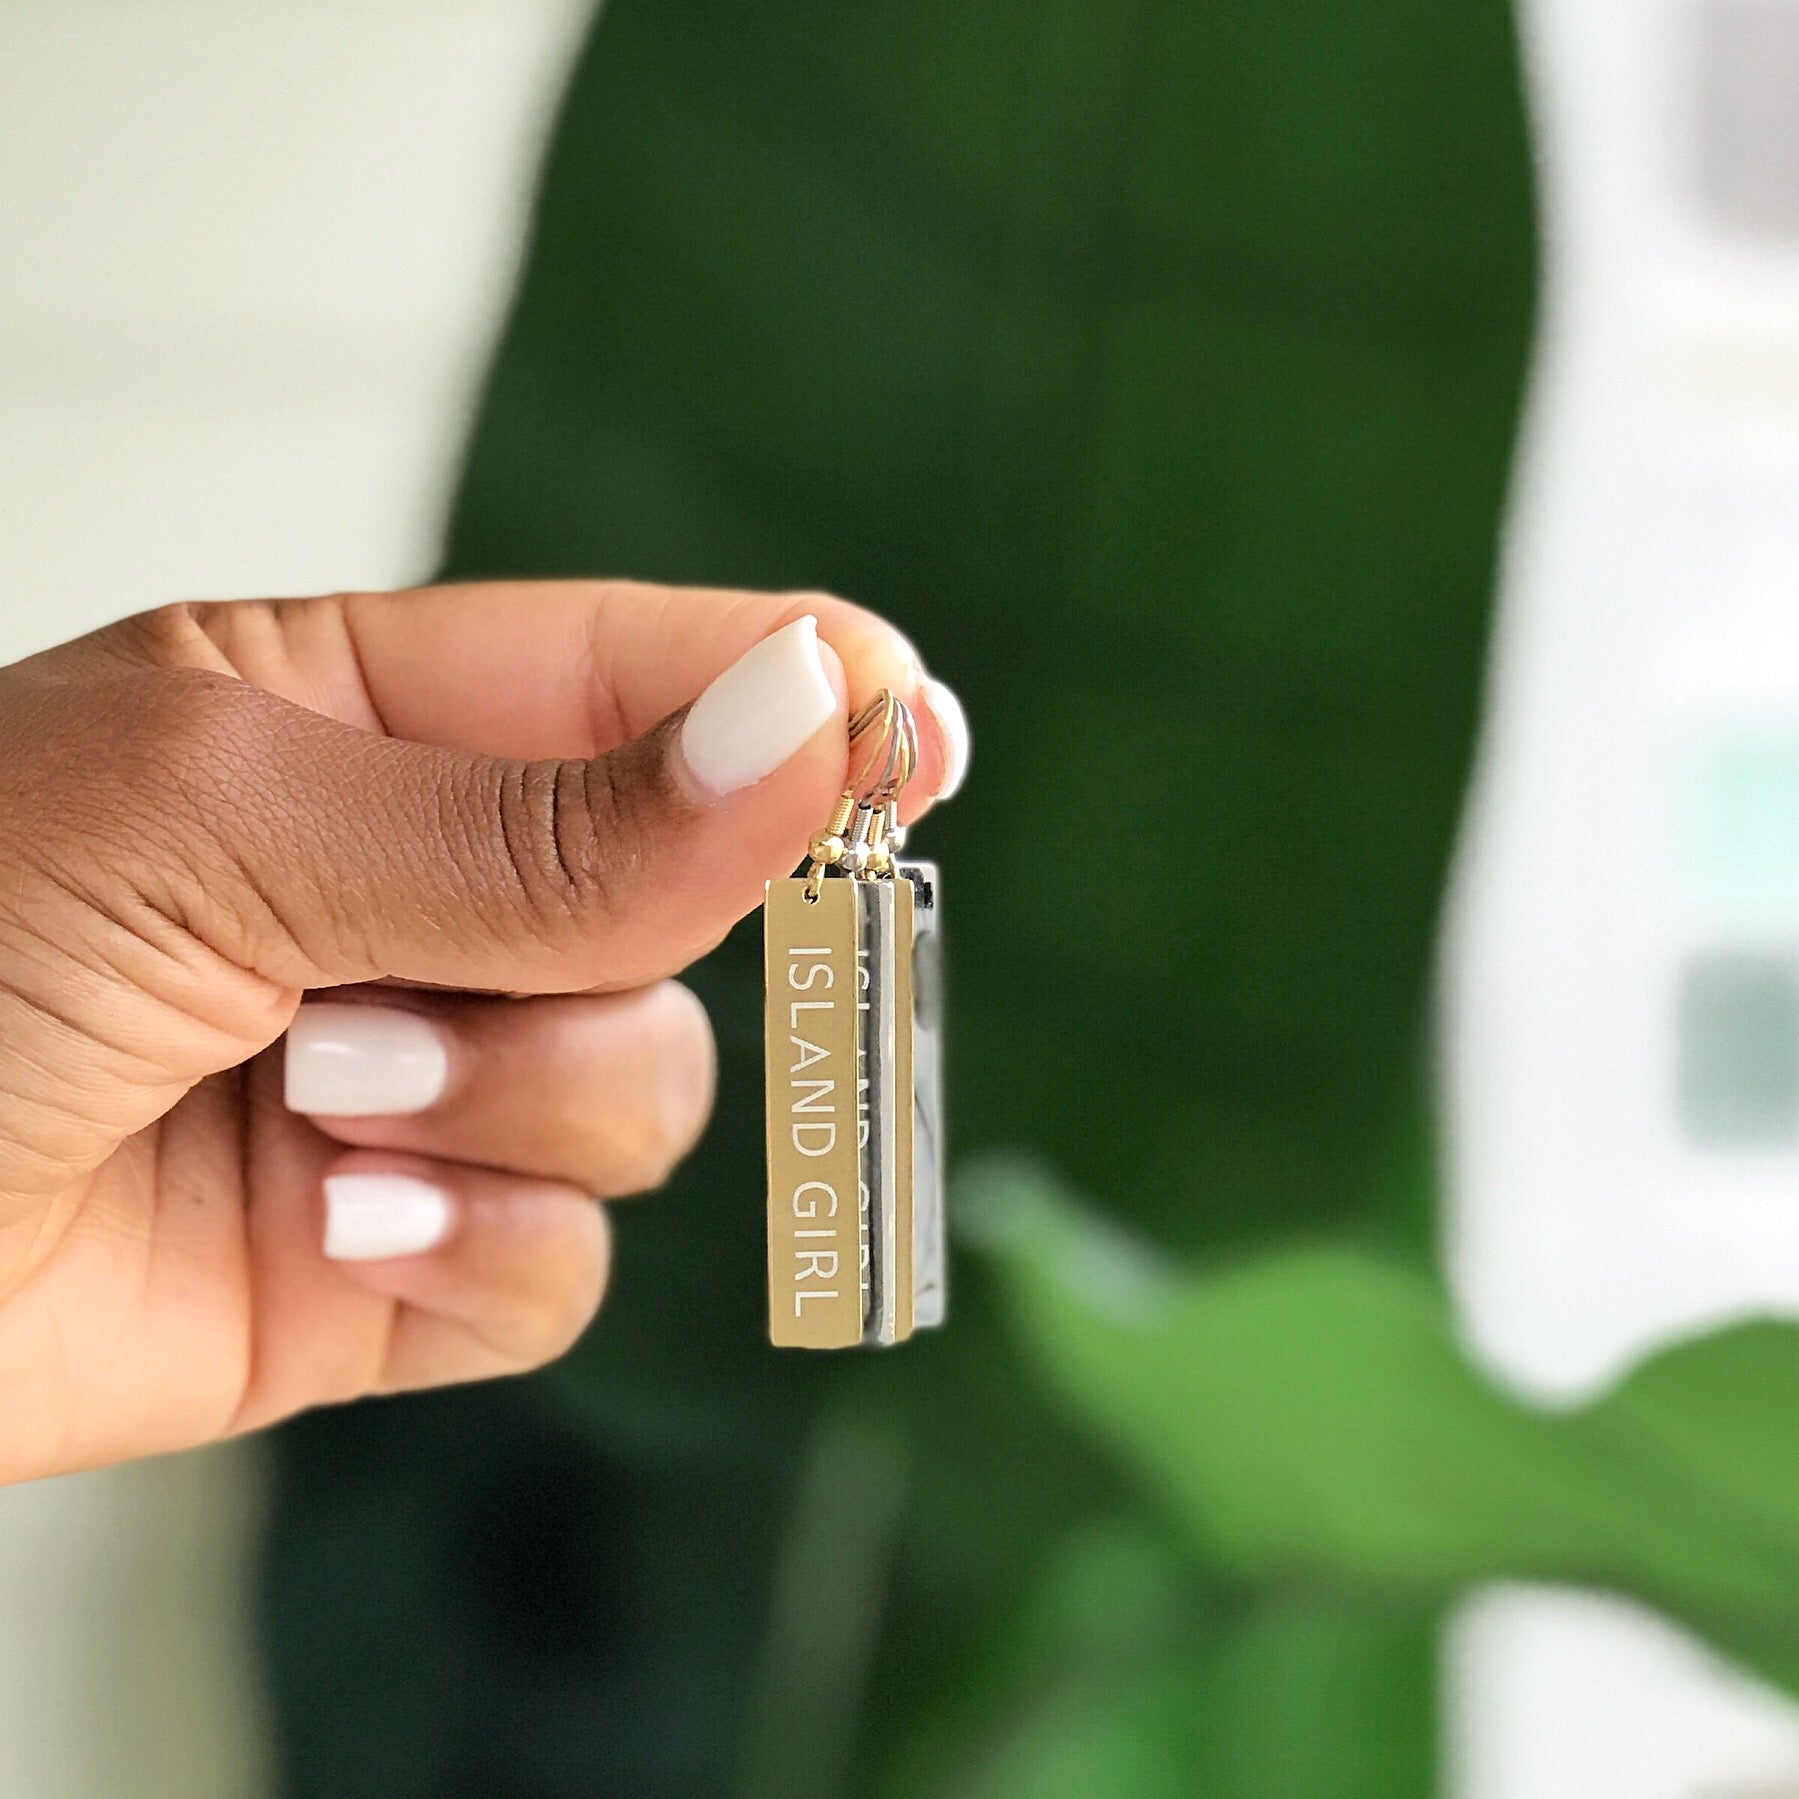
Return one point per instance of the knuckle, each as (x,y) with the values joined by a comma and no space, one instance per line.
(662,1150)
(574,834)
(553,1320)
(169,637)
(611,810)
(506,814)
(690,1075)
(643,1138)
(520,806)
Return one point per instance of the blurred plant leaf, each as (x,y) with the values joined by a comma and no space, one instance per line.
(1308,1416)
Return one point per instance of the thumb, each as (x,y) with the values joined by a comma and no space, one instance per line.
(360,857)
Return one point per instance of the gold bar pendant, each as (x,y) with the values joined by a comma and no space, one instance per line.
(855,1152)
(856,1251)
(817,1247)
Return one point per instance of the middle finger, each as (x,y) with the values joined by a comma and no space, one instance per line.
(605,1092)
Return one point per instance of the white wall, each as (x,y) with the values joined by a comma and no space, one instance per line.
(1574,1695)
(250,254)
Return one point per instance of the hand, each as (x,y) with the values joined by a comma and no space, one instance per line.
(420,801)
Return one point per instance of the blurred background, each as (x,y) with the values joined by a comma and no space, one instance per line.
(1347,458)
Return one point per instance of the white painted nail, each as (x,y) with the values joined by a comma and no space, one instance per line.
(363,1062)
(369,1217)
(947,710)
(759,711)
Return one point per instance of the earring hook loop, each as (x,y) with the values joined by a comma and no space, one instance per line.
(874,789)
(895,751)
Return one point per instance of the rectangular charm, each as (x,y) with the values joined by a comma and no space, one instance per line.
(930,1256)
(856,1250)
(885,1098)
(905,1114)
(817,1247)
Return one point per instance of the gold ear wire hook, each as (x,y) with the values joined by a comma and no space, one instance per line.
(895,756)
(885,712)
(897,752)
(883,835)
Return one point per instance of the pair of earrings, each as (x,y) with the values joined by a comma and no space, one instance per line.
(856,1251)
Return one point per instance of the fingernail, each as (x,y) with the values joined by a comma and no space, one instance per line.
(953,721)
(759,711)
(363,1062)
(369,1217)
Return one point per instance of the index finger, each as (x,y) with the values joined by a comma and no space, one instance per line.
(552,668)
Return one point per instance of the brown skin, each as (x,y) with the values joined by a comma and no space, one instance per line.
(210,811)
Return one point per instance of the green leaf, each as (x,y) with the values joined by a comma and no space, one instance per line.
(1309,1416)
